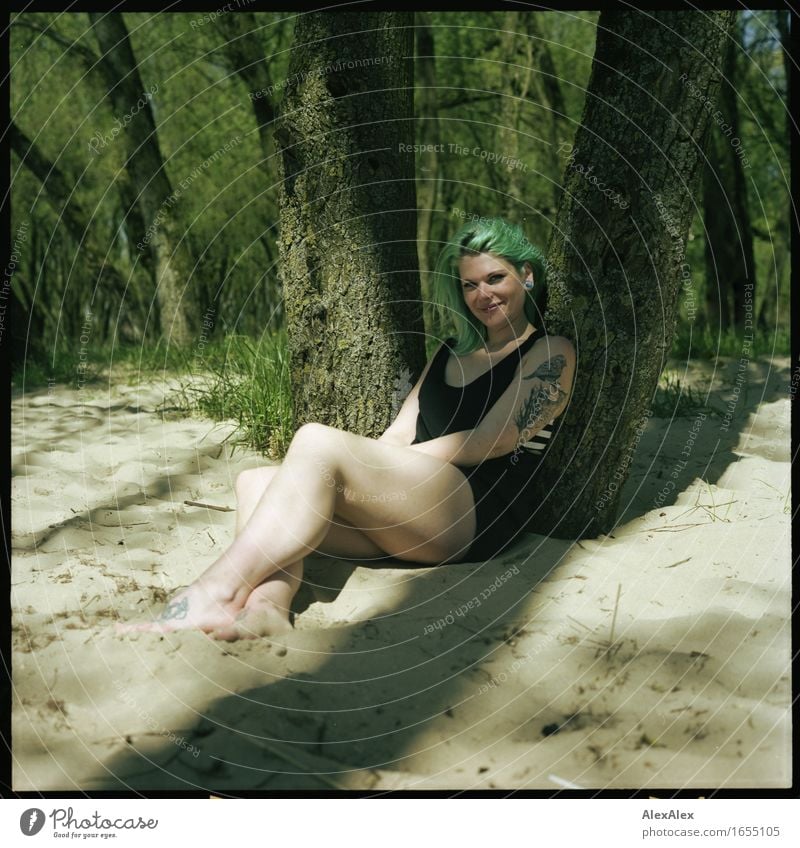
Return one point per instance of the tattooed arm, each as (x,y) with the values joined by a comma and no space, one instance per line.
(538,393)
(545,400)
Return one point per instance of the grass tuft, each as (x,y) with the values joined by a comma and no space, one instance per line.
(248,381)
(674,399)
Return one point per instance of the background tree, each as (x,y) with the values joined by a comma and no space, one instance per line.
(730,261)
(348,228)
(88,215)
(618,246)
(172,260)
(428,135)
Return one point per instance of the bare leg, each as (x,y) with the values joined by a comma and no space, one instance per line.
(411,505)
(266,611)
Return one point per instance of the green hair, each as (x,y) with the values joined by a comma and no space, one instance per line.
(483,235)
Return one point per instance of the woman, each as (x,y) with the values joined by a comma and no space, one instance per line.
(451,480)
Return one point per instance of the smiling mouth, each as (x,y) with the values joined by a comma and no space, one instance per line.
(492,307)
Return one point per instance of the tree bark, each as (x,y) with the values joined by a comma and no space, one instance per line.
(245,56)
(617,249)
(58,188)
(171,260)
(427,133)
(348,228)
(547,82)
(517,51)
(532,89)
(730,262)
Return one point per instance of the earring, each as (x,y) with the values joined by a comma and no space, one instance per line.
(528,284)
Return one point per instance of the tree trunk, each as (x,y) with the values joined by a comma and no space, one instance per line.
(531,89)
(245,56)
(427,133)
(58,189)
(348,228)
(517,52)
(547,82)
(617,249)
(730,262)
(171,260)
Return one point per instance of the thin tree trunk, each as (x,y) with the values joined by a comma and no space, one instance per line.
(427,133)
(618,245)
(718,244)
(730,262)
(171,260)
(348,228)
(245,55)
(517,51)
(546,81)
(58,188)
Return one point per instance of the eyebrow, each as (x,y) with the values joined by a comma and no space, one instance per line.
(490,274)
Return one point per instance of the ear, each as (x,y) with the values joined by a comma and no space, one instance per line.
(527,270)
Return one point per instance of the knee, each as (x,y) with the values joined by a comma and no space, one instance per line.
(251,478)
(244,480)
(313,436)
(311,430)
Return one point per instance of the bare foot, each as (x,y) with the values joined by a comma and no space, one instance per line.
(259,617)
(199,607)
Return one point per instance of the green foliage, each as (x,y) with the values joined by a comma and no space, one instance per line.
(492,97)
(247,381)
(702,342)
(233,378)
(227,207)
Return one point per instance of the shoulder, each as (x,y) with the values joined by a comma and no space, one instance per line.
(556,349)
(442,349)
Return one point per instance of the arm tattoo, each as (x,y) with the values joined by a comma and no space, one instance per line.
(550,370)
(545,400)
(175,610)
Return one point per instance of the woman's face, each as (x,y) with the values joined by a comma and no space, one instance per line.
(493,289)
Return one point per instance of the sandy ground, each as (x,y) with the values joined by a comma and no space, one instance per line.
(658,656)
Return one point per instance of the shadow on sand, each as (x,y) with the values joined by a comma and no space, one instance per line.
(388,685)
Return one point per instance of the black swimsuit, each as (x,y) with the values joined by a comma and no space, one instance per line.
(501,487)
